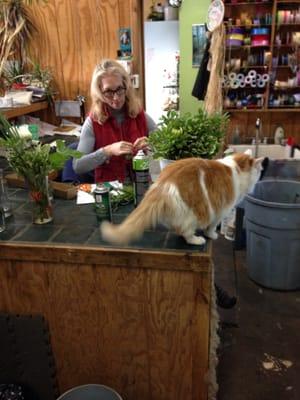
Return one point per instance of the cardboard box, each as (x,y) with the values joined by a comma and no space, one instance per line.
(60,189)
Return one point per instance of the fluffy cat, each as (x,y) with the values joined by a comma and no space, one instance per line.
(190,194)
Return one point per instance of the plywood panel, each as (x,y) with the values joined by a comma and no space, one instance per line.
(73,36)
(144,332)
(46,48)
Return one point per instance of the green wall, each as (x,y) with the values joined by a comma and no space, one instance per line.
(191,12)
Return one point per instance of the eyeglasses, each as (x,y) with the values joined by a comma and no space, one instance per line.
(110,94)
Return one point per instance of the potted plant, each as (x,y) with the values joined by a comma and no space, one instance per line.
(198,135)
(34,162)
(16,31)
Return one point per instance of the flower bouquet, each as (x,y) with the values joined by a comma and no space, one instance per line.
(34,162)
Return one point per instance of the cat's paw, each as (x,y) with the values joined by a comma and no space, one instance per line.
(211,234)
(197,240)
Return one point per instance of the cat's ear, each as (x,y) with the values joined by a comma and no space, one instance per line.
(258,163)
(248,152)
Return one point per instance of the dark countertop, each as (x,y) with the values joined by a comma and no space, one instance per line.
(77,225)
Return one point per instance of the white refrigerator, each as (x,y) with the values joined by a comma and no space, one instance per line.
(161,47)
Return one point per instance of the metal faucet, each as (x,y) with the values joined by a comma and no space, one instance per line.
(257,136)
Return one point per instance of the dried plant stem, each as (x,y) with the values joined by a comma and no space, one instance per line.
(213,101)
(8,42)
(16,29)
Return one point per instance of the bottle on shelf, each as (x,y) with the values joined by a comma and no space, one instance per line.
(236,138)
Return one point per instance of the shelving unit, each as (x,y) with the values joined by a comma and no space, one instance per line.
(263,42)
(14,112)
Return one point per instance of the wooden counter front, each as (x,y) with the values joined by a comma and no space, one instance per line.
(136,319)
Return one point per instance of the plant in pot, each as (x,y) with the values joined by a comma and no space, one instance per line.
(34,162)
(16,30)
(198,135)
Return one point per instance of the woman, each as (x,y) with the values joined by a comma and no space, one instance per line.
(116,128)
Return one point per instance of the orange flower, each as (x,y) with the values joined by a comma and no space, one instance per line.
(36,196)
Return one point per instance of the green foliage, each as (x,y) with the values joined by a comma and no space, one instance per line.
(122,197)
(198,135)
(30,159)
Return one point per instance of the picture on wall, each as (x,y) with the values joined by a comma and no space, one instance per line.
(199,43)
(125,42)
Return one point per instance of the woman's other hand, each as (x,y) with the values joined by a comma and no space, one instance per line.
(118,148)
(141,144)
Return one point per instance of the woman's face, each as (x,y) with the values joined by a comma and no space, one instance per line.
(113,91)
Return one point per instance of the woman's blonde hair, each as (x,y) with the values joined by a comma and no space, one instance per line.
(106,68)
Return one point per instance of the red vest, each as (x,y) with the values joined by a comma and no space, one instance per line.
(110,132)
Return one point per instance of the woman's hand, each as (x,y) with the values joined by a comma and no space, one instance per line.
(141,144)
(118,148)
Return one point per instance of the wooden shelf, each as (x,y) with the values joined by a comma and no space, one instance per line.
(244,102)
(248,46)
(278,25)
(264,110)
(14,112)
(255,66)
(247,88)
(282,67)
(283,89)
(288,2)
(249,3)
(246,26)
(284,46)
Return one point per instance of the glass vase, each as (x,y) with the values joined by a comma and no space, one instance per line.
(40,202)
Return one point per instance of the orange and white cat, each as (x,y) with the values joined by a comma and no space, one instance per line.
(190,194)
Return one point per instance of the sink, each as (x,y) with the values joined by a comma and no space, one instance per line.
(274,151)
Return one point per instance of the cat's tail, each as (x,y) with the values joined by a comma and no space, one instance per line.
(146,215)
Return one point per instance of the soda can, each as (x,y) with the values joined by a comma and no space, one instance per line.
(140,165)
(102,203)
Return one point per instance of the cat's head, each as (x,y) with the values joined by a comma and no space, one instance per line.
(248,167)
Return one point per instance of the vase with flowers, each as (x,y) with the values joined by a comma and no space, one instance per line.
(34,162)
(40,200)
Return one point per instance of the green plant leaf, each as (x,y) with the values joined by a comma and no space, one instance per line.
(29,159)
(198,135)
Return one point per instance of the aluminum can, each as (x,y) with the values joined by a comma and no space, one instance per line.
(140,164)
(102,203)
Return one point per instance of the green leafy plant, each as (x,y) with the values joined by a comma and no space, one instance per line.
(32,159)
(198,135)
(34,162)
(122,197)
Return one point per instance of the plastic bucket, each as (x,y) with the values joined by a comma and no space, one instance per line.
(272,215)
(90,392)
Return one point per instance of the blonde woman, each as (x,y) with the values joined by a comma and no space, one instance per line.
(116,126)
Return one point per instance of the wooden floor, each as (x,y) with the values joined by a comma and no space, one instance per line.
(259,355)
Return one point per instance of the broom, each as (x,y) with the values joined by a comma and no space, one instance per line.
(213,101)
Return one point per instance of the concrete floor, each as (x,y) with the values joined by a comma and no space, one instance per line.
(259,354)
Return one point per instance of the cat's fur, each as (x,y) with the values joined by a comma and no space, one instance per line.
(190,194)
